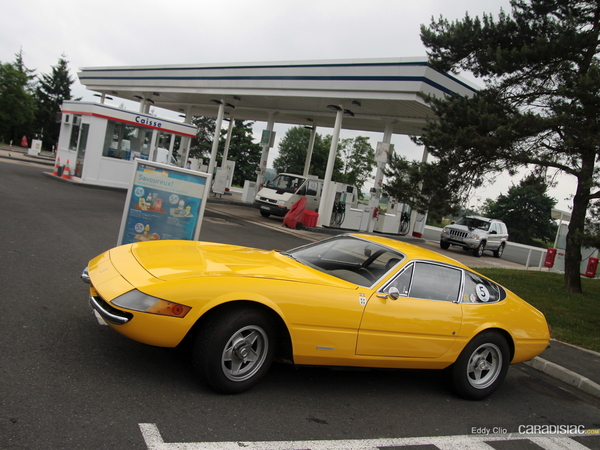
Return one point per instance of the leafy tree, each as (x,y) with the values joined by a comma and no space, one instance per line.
(540,106)
(201,145)
(243,151)
(292,151)
(526,210)
(592,226)
(51,91)
(358,157)
(16,103)
(425,187)
(292,154)
(293,148)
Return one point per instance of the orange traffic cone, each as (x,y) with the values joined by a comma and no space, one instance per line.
(55,173)
(65,173)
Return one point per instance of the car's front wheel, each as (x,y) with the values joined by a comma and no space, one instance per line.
(478,252)
(481,366)
(234,350)
(444,245)
(265,214)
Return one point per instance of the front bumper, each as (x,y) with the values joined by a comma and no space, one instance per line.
(108,313)
(271,209)
(463,242)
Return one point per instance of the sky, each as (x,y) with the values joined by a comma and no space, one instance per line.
(152,32)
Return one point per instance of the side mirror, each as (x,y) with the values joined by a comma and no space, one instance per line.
(394,293)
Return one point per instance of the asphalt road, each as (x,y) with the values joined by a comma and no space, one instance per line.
(67,382)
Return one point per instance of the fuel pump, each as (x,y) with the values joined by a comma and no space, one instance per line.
(343,197)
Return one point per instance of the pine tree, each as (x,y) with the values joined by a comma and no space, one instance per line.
(540,105)
(51,91)
(19,64)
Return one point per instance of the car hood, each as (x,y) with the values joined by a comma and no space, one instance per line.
(176,260)
(464,228)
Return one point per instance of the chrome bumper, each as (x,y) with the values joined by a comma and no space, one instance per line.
(108,313)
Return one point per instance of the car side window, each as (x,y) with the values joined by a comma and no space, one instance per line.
(312,188)
(435,282)
(402,281)
(481,290)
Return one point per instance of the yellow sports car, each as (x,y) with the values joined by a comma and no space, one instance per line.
(350,300)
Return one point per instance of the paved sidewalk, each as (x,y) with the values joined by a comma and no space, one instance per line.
(20,153)
(576,366)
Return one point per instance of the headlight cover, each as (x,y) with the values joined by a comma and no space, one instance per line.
(138,301)
(280,202)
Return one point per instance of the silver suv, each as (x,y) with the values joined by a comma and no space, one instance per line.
(476,234)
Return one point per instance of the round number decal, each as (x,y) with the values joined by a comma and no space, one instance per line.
(482,293)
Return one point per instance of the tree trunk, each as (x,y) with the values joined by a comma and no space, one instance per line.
(576,225)
(573,251)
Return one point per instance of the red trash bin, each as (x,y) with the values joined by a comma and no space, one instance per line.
(310,218)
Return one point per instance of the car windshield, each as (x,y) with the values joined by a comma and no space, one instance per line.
(286,183)
(352,259)
(473,222)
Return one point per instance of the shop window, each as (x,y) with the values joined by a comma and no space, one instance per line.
(124,141)
(74,139)
(79,135)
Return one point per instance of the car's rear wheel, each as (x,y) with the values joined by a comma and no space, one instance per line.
(234,349)
(478,252)
(481,366)
(499,251)
(444,245)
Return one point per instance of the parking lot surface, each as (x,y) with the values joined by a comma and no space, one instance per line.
(69,382)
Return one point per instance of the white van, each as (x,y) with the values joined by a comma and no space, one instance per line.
(278,195)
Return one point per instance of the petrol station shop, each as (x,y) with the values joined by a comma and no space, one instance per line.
(98,143)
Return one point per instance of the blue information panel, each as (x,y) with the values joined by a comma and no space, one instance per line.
(163,202)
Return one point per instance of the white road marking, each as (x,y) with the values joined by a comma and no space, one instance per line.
(99,318)
(154,441)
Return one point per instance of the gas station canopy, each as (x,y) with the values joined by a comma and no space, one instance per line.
(372,92)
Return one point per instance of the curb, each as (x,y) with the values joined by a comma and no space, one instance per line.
(568,376)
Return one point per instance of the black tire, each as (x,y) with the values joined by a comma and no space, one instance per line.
(498,252)
(481,366)
(478,252)
(264,213)
(234,350)
(444,245)
(404,224)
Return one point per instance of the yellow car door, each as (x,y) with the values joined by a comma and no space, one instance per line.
(417,314)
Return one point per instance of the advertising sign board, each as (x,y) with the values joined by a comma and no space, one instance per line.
(163,202)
